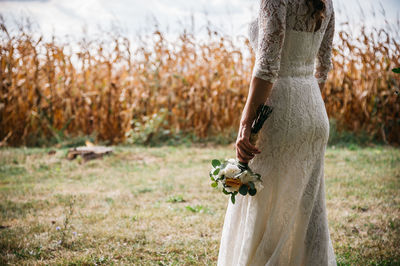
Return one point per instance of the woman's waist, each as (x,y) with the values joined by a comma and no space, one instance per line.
(300,89)
(291,69)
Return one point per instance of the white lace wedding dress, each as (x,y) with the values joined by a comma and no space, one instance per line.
(286,223)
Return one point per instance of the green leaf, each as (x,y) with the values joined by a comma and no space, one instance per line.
(216,171)
(251,185)
(215,163)
(396,70)
(225,191)
(233,198)
(243,189)
(235,193)
(212,178)
(252,191)
(215,184)
(190,208)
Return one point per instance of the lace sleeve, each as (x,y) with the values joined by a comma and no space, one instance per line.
(271,34)
(324,58)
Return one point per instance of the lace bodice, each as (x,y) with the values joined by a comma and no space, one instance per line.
(267,35)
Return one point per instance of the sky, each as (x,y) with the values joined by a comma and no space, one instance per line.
(139,16)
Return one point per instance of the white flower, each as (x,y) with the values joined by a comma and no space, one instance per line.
(246,177)
(231,170)
(230,189)
(231,161)
(258,185)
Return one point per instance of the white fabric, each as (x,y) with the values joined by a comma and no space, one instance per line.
(267,34)
(286,223)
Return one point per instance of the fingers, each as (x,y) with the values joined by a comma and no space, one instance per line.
(250,148)
(245,151)
(245,145)
(243,157)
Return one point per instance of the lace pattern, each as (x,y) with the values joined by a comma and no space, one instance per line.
(272,22)
(267,36)
(324,62)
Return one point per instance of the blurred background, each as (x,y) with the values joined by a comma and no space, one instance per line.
(166,71)
(230,17)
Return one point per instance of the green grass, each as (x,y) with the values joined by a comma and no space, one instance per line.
(155,206)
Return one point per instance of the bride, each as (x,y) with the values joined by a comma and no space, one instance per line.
(286,222)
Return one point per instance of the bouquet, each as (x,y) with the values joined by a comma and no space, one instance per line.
(234,177)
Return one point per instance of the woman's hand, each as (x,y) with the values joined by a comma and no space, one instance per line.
(245,151)
(258,93)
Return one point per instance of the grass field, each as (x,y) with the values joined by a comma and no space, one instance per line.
(155,206)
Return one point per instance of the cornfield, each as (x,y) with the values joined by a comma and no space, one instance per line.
(112,87)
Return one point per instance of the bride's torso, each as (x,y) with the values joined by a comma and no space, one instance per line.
(298,53)
(299,117)
(302,40)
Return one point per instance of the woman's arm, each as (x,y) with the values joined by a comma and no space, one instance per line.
(258,93)
(271,35)
(324,56)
